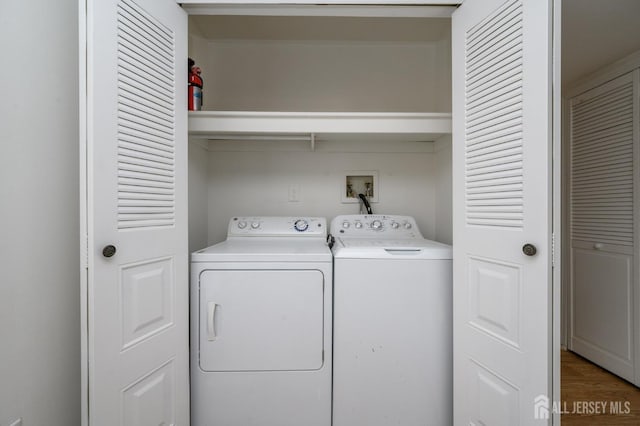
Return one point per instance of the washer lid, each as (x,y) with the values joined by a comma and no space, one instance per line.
(367,248)
(265,250)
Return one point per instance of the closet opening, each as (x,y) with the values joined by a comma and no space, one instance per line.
(293,104)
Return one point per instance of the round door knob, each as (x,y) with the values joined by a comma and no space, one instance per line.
(109,251)
(529,249)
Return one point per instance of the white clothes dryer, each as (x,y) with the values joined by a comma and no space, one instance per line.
(392,347)
(261,325)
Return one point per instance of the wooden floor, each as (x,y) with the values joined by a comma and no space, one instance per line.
(587,388)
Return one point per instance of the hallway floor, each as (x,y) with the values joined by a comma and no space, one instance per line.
(591,395)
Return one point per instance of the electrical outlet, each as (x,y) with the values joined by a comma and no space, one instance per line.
(294,193)
(16,422)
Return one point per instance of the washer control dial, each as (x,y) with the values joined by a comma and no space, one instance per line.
(395,225)
(407,225)
(346,224)
(358,224)
(255,225)
(301,225)
(242,224)
(376,225)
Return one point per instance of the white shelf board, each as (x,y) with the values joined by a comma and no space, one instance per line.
(233,125)
(324,2)
(326,10)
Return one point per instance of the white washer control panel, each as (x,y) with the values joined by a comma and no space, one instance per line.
(277,226)
(375,226)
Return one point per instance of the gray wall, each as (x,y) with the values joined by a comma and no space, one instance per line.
(39,249)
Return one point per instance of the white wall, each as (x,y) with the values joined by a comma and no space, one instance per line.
(443,197)
(256,182)
(198,195)
(39,187)
(323,75)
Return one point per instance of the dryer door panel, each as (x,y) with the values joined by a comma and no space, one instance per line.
(257,320)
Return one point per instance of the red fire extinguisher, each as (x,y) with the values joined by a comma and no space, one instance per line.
(195,87)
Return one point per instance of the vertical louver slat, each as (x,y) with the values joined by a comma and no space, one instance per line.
(146,125)
(602,165)
(493,120)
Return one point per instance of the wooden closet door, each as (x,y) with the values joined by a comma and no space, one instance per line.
(604,177)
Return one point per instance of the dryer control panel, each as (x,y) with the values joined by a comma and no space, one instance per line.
(277,226)
(375,226)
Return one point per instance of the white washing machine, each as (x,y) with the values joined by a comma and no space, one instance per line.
(392,337)
(261,325)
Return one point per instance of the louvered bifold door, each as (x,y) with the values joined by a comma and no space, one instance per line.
(501,211)
(137,213)
(603,216)
(146,121)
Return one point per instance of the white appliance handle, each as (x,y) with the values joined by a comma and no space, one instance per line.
(211,325)
(397,252)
